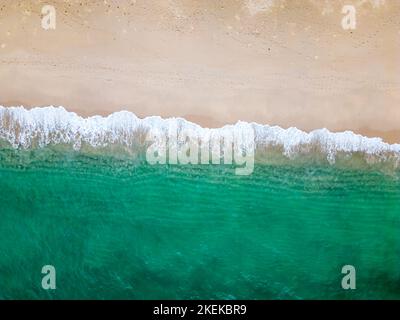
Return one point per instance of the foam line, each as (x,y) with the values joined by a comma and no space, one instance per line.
(24,128)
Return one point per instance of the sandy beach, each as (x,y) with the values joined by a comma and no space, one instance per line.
(286,63)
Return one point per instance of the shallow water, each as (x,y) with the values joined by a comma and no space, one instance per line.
(115,228)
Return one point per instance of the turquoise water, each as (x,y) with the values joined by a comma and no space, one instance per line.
(115,228)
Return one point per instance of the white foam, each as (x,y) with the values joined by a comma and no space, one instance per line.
(24,128)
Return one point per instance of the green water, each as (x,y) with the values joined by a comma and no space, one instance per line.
(118,229)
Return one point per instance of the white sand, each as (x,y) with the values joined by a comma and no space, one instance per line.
(210,62)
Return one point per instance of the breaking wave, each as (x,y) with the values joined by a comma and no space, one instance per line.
(40,127)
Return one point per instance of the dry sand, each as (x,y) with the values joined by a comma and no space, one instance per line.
(287,63)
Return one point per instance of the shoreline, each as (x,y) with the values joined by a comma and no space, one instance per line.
(390,137)
(20,122)
(125,136)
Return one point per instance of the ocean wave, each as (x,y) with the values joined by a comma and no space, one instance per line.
(39,127)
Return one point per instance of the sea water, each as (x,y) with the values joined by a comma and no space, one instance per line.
(78,194)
